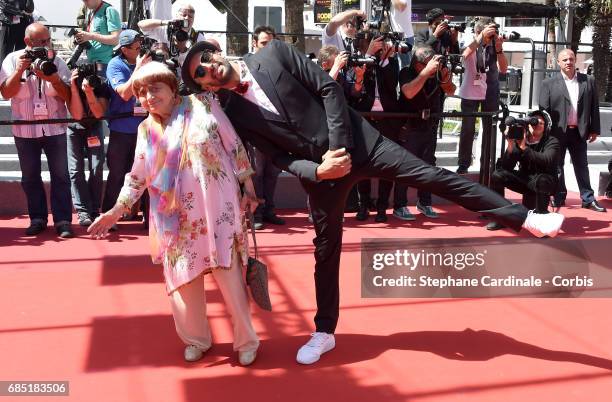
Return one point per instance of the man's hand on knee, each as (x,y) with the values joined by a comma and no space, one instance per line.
(335,164)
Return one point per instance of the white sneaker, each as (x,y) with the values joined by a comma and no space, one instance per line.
(320,343)
(248,357)
(193,353)
(541,225)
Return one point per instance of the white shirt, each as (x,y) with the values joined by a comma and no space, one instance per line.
(572,88)
(160,10)
(254,93)
(336,40)
(35,91)
(401,21)
(474,84)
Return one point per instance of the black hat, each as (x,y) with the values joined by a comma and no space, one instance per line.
(202,46)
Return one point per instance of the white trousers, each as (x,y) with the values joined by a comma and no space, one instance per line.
(189,309)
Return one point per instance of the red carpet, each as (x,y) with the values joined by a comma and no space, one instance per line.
(95,313)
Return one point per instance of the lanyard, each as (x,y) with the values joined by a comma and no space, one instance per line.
(91,16)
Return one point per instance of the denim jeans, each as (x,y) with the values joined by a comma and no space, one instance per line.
(86,194)
(29,151)
(119,159)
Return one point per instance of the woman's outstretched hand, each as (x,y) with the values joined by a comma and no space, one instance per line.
(100,227)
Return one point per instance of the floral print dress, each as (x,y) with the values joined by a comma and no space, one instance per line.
(192,169)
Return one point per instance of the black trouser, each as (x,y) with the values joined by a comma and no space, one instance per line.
(119,159)
(265,179)
(390,161)
(573,142)
(536,188)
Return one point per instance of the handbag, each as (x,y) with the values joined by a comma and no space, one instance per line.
(257,276)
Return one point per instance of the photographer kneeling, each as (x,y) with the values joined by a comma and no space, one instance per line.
(537,152)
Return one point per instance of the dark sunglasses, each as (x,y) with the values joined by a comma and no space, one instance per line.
(200,72)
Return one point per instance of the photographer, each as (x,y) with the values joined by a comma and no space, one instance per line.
(15,16)
(90,98)
(438,35)
(342,28)
(536,152)
(483,60)
(36,83)
(401,21)
(421,86)
(101,29)
(122,140)
(180,32)
(374,88)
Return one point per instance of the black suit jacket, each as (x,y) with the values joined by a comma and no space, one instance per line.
(555,99)
(424,37)
(313,113)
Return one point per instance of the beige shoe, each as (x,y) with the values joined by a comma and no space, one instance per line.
(194,353)
(246,358)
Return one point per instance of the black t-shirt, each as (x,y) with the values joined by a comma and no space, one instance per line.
(105,91)
(427,98)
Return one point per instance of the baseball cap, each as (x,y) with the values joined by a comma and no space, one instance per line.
(127,37)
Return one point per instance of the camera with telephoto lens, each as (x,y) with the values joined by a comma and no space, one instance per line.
(176,30)
(150,46)
(78,50)
(357,60)
(459,27)
(508,36)
(517,126)
(90,72)
(41,60)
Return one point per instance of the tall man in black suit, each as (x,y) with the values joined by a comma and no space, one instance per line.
(293,111)
(571,100)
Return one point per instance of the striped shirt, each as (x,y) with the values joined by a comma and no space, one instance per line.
(33,90)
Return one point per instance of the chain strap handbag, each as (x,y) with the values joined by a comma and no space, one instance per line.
(257,275)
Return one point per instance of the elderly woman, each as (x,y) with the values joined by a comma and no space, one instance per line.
(190,159)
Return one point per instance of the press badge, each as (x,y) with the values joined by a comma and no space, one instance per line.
(93,142)
(16,19)
(40,111)
(477,81)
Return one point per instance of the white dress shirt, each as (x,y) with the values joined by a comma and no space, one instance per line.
(572,88)
(254,93)
(35,91)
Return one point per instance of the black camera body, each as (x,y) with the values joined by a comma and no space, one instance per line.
(146,47)
(78,50)
(40,60)
(175,29)
(459,27)
(356,60)
(89,71)
(517,126)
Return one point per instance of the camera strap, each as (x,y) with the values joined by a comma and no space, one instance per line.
(92,15)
